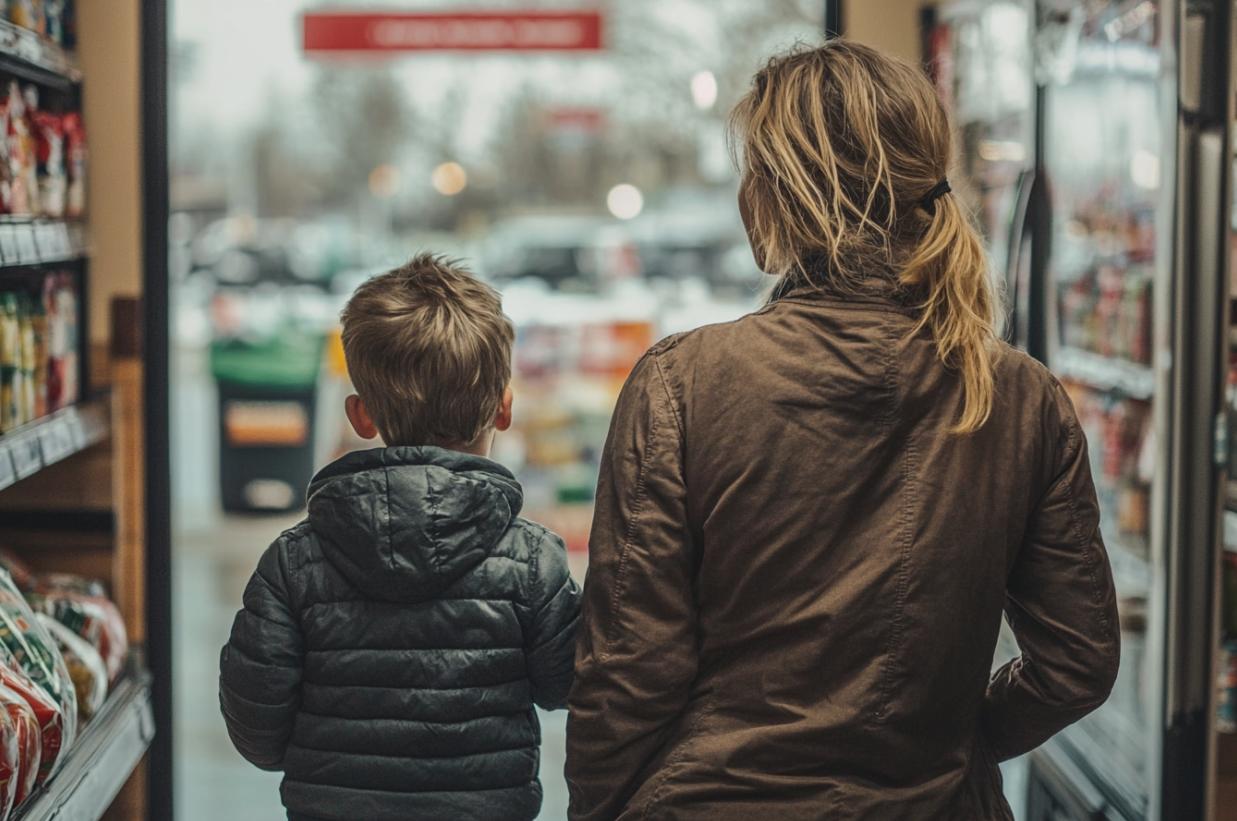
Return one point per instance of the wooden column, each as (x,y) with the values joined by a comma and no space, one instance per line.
(128,476)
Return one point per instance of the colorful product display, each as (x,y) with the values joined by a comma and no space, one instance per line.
(1123,453)
(29,741)
(54,19)
(568,378)
(43,162)
(1105,294)
(38,350)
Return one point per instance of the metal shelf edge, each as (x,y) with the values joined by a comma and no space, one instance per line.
(30,242)
(1106,373)
(32,447)
(27,55)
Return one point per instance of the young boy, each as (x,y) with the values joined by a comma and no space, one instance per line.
(393,644)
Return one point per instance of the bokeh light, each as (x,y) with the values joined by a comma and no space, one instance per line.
(625,201)
(450,179)
(704,90)
(384,181)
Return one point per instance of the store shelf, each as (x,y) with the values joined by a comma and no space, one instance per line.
(25,242)
(102,758)
(28,56)
(43,442)
(1105,373)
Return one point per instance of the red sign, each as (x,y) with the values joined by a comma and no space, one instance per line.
(575,120)
(335,32)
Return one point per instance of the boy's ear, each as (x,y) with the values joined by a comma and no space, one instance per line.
(503,420)
(359,417)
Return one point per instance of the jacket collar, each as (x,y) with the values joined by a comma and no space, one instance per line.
(362,461)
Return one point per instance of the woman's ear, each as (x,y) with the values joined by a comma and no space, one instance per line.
(359,417)
(503,420)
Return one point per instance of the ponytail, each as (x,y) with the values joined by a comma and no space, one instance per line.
(950,269)
(839,146)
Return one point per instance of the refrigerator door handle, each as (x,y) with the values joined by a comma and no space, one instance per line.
(1016,284)
(1027,267)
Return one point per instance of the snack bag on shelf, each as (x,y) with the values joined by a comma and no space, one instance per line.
(29,740)
(10,764)
(10,363)
(75,158)
(6,167)
(29,352)
(60,305)
(38,376)
(30,149)
(28,14)
(35,654)
(53,183)
(86,668)
(53,16)
(49,715)
(94,618)
(20,152)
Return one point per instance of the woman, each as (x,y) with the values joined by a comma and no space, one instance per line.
(809,521)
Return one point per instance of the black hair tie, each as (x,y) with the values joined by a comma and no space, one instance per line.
(929,199)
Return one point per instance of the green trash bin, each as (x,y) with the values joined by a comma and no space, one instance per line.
(267,395)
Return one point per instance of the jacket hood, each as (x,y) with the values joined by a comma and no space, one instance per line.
(403,524)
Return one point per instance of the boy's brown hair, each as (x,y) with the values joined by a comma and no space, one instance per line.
(428,348)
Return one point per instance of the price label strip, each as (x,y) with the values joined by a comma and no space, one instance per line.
(9,251)
(27,460)
(77,429)
(27,249)
(7,474)
(56,441)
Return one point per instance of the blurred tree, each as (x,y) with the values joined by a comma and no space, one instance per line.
(366,119)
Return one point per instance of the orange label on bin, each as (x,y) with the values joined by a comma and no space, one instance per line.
(250,423)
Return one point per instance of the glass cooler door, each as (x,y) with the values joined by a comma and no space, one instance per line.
(1099,64)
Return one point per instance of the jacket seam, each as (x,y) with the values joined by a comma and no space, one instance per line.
(906,526)
(629,540)
(534,578)
(674,411)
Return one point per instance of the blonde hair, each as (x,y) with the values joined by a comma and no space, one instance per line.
(429,352)
(839,146)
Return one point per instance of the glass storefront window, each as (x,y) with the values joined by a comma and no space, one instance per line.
(594,188)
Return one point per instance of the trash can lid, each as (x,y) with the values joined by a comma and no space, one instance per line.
(291,359)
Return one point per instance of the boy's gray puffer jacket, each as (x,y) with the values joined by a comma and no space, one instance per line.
(392,645)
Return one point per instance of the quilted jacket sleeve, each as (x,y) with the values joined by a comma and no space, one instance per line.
(637,655)
(550,647)
(1061,605)
(260,668)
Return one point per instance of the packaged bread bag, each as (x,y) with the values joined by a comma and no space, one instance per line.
(10,765)
(47,714)
(29,740)
(86,668)
(95,619)
(33,652)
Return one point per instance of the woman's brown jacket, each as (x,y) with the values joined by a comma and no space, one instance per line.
(797,575)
